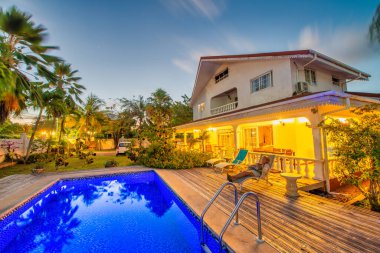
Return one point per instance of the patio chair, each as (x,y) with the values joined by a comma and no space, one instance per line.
(235,163)
(224,156)
(264,174)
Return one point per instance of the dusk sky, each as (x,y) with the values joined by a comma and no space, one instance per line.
(126,48)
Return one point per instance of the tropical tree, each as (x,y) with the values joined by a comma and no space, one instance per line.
(374,28)
(49,101)
(356,146)
(23,56)
(93,115)
(159,108)
(136,109)
(182,111)
(67,83)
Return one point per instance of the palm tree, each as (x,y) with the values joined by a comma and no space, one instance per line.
(374,28)
(67,82)
(22,54)
(136,109)
(92,114)
(49,101)
(159,108)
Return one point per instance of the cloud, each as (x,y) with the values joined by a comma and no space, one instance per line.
(189,62)
(240,45)
(344,43)
(206,8)
(183,64)
(228,44)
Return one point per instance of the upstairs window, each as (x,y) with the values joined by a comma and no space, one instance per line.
(335,81)
(261,82)
(310,77)
(222,75)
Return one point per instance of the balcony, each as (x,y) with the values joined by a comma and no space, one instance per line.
(224,108)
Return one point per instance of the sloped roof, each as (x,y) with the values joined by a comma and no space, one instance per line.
(209,64)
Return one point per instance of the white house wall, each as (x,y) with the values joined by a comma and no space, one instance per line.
(240,76)
(323,78)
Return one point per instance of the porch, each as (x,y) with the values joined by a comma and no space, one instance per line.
(307,224)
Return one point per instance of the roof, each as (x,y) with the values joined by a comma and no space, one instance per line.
(209,64)
(364,94)
(322,97)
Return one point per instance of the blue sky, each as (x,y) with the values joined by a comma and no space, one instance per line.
(126,48)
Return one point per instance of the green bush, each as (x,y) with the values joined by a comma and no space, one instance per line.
(111,163)
(39,158)
(166,158)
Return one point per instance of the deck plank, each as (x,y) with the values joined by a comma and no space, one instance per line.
(307,224)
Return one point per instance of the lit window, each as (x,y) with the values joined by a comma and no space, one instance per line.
(201,107)
(222,75)
(310,77)
(261,82)
(335,81)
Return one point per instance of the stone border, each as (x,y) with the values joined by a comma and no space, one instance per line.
(10,211)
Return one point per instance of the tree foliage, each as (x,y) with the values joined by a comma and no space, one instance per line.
(356,146)
(182,111)
(374,28)
(23,57)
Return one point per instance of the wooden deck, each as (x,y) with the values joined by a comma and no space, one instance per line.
(307,224)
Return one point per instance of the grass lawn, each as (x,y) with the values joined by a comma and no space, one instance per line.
(74,164)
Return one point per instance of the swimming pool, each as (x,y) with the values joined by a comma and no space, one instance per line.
(135,212)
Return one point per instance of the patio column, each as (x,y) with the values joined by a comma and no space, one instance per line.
(185,138)
(236,138)
(315,119)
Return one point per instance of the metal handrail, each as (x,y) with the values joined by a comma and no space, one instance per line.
(235,211)
(210,203)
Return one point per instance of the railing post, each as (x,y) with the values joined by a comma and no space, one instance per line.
(212,201)
(234,212)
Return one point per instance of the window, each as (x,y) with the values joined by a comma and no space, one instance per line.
(335,81)
(226,139)
(261,82)
(201,107)
(250,138)
(310,77)
(222,75)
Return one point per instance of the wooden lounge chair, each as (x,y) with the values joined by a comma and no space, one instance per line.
(238,160)
(214,161)
(264,175)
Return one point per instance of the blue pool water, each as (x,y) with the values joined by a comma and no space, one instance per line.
(121,213)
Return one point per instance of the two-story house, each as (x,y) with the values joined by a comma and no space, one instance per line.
(272,103)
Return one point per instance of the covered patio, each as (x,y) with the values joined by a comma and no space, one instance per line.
(288,128)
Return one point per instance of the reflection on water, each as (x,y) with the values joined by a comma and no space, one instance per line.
(55,219)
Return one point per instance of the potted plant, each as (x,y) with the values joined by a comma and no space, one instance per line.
(39,168)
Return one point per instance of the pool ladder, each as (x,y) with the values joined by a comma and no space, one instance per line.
(235,213)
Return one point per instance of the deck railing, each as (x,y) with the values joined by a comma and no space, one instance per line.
(304,166)
(224,108)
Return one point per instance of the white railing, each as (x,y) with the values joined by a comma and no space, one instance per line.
(307,167)
(224,108)
(332,164)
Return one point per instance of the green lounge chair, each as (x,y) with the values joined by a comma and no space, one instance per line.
(264,174)
(238,160)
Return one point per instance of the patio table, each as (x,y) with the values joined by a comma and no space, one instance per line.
(291,184)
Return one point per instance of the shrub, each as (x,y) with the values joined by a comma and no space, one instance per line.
(39,158)
(156,157)
(111,163)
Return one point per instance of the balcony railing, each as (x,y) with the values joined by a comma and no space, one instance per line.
(224,108)
(292,164)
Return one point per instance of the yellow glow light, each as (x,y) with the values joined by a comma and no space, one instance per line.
(287,120)
(276,122)
(196,130)
(303,120)
(343,120)
(211,129)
